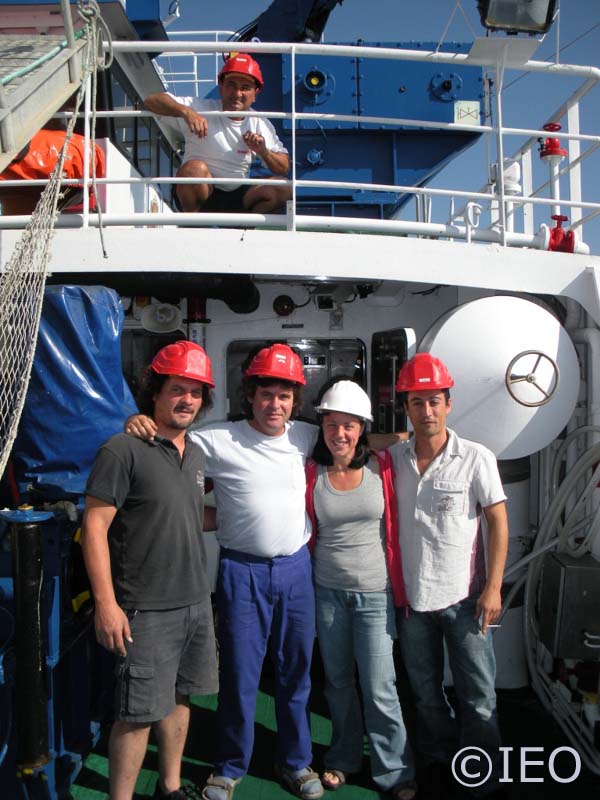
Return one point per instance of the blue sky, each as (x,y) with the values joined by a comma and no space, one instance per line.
(529,100)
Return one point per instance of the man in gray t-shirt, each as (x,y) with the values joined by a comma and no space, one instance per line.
(143,549)
(265,596)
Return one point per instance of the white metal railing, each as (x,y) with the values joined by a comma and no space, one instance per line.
(190,73)
(494,200)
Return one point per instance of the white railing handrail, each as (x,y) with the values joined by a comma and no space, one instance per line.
(308,184)
(357,51)
(465,231)
(398,121)
(175,34)
(401,122)
(498,199)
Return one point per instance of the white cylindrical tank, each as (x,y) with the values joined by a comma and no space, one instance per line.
(515,370)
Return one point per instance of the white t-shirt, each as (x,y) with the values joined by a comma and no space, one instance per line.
(223,149)
(439,516)
(259,485)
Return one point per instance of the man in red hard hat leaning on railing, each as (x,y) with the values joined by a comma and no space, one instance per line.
(223,147)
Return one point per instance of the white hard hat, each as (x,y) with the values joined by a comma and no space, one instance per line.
(348,397)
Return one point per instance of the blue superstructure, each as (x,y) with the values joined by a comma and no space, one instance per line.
(356,150)
(360,151)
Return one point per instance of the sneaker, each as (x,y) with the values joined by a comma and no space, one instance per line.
(186,792)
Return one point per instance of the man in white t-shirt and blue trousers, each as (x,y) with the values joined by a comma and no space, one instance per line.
(265,576)
(443,485)
(223,147)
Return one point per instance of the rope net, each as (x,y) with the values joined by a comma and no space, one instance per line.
(23,278)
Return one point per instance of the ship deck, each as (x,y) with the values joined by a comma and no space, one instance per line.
(523,721)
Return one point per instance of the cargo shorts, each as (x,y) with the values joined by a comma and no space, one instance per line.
(173,653)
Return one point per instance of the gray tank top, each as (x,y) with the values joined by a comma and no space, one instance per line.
(349,552)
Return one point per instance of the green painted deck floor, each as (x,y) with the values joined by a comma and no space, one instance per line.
(523,723)
(259,784)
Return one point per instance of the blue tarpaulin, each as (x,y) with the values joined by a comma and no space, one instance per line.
(77,396)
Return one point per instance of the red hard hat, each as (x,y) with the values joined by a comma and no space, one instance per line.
(245,64)
(277,361)
(186,360)
(423,372)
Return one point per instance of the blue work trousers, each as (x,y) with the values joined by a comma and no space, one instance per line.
(471,656)
(358,629)
(258,597)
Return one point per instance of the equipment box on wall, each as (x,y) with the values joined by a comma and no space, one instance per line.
(569,603)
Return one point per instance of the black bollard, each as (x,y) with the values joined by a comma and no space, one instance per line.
(31,702)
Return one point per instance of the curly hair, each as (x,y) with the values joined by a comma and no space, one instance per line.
(150,385)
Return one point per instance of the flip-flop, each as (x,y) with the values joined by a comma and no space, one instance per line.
(330,785)
(303,783)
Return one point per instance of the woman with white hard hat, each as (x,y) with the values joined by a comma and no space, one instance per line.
(358,582)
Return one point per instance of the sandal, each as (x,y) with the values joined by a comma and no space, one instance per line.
(303,782)
(407,790)
(218,787)
(332,785)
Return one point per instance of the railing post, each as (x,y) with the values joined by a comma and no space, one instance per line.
(74,72)
(88,153)
(292,221)
(428,205)
(527,183)
(574,171)
(500,64)
(451,218)
(7,139)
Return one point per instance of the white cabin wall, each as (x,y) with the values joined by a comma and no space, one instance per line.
(361,319)
(124,198)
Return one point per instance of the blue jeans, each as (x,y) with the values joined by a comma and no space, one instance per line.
(358,627)
(471,656)
(258,597)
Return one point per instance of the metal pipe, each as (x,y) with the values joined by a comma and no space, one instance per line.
(89,155)
(7,139)
(292,220)
(303,222)
(499,143)
(375,187)
(411,122)
(65,8)
(31,692)
(312,49)
(554,168)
